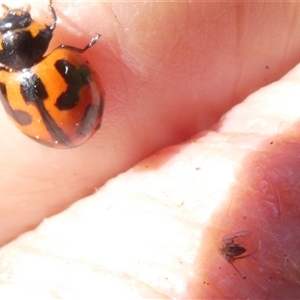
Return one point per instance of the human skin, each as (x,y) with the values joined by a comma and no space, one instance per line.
(170,71)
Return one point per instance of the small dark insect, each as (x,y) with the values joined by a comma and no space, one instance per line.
(231,250)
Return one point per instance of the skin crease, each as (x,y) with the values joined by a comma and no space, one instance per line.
(171,70)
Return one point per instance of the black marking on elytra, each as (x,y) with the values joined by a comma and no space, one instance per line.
(98,127)
(88,120)
(91,114)
(21,117)
(75,79)
(32,89)
(3,89)
(101,107)
(34,93)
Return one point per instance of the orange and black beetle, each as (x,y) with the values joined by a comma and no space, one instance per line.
(55,99)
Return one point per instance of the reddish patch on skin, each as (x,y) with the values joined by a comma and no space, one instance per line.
(265,202)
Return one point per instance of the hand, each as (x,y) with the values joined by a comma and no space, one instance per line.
(169,71)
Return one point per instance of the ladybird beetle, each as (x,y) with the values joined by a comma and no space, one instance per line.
(55,99)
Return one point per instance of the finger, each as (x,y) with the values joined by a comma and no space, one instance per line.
(157,228)
(260,210)
(164,79)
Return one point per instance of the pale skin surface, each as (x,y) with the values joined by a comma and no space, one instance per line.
(169,71)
